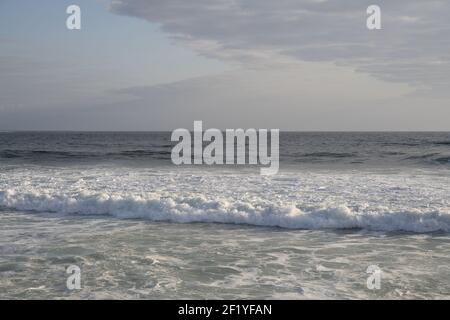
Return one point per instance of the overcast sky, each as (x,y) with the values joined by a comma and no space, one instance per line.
(287,64)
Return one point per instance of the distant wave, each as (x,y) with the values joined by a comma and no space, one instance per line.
(391,157)
(38,153)
(329,155)
(138,153)
(443,143)
(199,209)
(55,154)
(443,160)
(404,144)
(422,156)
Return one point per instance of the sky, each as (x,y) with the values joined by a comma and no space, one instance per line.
(288,64)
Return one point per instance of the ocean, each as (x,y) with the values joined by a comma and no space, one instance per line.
(140,227)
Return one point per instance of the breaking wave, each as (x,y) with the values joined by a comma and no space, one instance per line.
(201,209)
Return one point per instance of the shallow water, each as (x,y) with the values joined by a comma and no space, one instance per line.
(138,259)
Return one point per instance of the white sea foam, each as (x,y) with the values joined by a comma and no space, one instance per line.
(201,209)
(292,200)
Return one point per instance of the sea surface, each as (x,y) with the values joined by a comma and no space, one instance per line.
(140,227)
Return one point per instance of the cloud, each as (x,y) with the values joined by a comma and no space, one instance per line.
(413,46)
(300,96)
(302,65)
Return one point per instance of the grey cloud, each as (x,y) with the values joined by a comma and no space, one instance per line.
(308,96)
(413,46)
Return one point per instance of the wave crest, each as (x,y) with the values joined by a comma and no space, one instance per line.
(201,209)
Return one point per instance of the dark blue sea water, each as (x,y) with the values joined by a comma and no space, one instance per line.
(326,149)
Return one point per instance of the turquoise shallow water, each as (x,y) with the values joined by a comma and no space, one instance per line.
(136,259)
